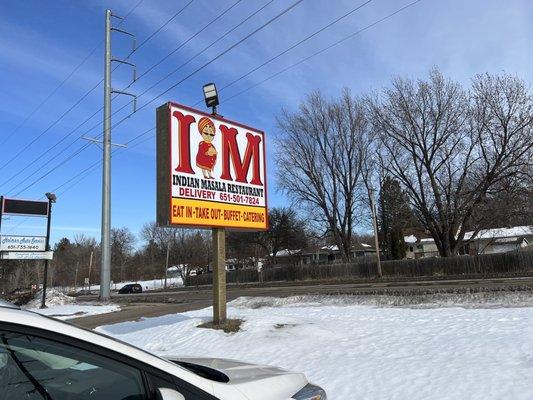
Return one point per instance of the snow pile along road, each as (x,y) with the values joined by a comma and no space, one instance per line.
(54,297)
(62,306)
(363,351)
(70,311)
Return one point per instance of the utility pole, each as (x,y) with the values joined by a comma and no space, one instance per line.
(105,272)
(90,267)
(374,222)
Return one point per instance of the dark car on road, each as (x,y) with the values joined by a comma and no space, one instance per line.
(131,288)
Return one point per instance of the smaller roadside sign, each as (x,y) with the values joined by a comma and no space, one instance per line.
(27,255)
(86,281)
(22,243)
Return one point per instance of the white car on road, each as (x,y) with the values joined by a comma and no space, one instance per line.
(43,358)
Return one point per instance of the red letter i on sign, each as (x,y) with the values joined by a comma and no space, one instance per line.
(184,141)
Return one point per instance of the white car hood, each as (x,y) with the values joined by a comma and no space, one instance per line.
(254,381)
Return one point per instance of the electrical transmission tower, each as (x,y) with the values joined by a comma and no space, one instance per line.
(105,268)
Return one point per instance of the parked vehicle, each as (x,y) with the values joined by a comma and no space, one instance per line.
(131,288)
(44,358)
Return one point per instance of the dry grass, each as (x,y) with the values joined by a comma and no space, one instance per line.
(229,326)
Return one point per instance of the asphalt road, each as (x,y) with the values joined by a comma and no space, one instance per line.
(157,303)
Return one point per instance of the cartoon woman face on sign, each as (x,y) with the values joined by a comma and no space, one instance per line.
(207,154)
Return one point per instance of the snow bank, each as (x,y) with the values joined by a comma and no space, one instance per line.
(70,311)
(439,300)
(64,307)
(54,297)
(358,351)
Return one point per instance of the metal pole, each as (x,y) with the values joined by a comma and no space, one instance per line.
(166,264)
(47,248)
(90,266)
(219,276)
(374,222)
(105,272)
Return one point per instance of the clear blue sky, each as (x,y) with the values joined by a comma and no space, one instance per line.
(42,42)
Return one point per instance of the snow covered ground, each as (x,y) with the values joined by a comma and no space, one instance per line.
(368,347)
(64,307)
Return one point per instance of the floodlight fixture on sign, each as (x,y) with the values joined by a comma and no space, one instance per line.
(211,96)
(51,197)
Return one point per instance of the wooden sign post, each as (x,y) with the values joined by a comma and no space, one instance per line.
(219,276)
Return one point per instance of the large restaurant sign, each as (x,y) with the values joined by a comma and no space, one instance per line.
(210,171)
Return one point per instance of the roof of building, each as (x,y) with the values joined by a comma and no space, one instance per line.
(331,248)
(525,230)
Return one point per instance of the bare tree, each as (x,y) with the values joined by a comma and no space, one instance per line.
(285,231)
(122,245)
(450,147)
(322,155)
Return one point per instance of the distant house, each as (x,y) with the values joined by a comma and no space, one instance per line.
(420,248)
(321,254)
(486,241)
(498,240)
(426,248)
(287,256)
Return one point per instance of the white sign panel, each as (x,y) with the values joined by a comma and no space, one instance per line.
(28,255)
(22,243)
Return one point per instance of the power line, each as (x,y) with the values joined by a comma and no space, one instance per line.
(324,49)
(83,174)
(224,52)
(162,26)
(271,20)
(44,153)
(96,164)
(280,14)
(50,95)
(52,170)
(189,39)
(93,167)
(335,21)
(207,47)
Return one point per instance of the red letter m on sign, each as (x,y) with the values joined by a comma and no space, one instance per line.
(241,166)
